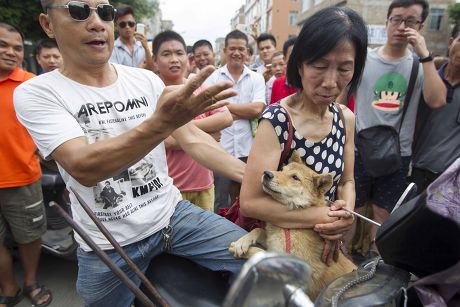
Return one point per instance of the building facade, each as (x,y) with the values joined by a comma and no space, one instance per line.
(238,19)
(436,29)
(282,18)
(219,50)
(278,17)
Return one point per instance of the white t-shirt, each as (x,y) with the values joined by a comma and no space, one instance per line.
(237,139)
(381,94)
(133,204)
(268,89)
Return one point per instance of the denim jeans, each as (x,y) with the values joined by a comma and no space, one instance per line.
(198,235)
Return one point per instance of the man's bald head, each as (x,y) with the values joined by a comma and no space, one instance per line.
(45,4)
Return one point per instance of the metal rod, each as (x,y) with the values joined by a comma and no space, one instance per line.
(103,256)
(120,250)
(330,202)
(362,217)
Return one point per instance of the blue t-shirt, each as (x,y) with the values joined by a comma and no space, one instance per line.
(325,156)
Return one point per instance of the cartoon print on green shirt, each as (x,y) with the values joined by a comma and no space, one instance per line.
(390,92)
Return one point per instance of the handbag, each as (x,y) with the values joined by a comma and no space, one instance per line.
(233,213)
(378,146)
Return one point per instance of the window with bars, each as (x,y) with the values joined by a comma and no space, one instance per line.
(293,18)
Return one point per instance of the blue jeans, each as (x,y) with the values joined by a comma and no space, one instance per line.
(198,235)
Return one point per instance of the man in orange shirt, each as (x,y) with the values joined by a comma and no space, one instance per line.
(21,201)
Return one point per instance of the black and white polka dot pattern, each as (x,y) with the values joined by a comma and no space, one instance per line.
(325,156)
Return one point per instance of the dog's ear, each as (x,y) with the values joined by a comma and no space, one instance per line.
(295,157)
(323,183)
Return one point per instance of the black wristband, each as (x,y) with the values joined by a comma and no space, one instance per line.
(429,58)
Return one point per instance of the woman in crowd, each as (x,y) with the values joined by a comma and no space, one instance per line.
(329,55)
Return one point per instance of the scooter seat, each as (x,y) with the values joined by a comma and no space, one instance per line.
(418,239)
(182,282)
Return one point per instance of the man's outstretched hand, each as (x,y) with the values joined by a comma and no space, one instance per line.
(178,104)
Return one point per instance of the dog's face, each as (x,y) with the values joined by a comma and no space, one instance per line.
(296,185)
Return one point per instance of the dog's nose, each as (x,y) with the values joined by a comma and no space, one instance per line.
(268,175)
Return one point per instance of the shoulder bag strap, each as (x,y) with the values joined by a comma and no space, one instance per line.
(410,88)
(341,117)
(288,144)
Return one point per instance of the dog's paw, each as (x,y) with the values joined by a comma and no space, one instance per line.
(236,250)
(232,249)
(240,248)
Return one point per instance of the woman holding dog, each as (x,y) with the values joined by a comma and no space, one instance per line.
(328,56)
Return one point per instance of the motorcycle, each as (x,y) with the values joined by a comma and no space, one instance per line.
(418,265)
(58,239)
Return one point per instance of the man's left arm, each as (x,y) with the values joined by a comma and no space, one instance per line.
(434,90)
(206,151)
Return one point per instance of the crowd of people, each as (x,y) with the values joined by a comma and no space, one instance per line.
(157,140)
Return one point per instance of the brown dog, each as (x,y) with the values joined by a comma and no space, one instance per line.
(296,186)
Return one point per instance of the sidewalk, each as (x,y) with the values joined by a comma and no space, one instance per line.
(60,276)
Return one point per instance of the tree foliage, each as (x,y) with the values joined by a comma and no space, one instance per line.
(454,12)
(142,8)
(24,14)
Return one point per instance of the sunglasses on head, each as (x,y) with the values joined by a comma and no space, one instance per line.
(123,24)
(80,11)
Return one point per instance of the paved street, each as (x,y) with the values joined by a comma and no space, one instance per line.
(59,275)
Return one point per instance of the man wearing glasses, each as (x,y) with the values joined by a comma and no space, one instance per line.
(100,121)
(381,95)
(131,48)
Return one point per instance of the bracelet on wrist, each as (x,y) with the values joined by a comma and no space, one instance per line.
(428,58)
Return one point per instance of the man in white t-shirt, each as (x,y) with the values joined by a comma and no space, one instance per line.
(105,124)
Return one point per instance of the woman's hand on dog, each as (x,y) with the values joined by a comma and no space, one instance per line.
(336,230)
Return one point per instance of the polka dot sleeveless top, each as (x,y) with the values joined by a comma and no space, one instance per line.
(325,156)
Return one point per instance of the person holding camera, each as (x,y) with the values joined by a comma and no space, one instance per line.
(130,48)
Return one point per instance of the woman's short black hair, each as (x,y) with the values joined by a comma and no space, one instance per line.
(323,32)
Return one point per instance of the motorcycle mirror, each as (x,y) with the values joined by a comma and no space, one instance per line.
(270,279)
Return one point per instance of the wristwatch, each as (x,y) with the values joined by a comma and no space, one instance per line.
(429,58)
